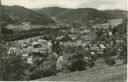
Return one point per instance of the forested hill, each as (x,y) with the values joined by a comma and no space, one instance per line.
(22,14)
(82,15)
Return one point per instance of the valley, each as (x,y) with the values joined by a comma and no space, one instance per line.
(54,43)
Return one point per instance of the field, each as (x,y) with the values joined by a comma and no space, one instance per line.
(99,73)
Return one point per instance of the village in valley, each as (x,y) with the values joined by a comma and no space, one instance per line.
(77,37)
(36,49)
(55,43)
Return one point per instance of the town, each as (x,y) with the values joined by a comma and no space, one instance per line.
(62,43)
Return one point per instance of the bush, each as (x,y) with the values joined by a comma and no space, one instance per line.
(46,68)
(73,62)
(91,63)
(109,61)
(77,65)
(123,52)
(13,67)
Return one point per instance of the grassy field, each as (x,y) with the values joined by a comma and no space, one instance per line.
(99,73)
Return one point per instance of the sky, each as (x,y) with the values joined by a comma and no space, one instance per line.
(98,4)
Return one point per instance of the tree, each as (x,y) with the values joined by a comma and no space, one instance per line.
(13,67)
(45,68)
(56,47)
(123,52)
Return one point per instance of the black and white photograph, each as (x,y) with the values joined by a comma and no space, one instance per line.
(63,40)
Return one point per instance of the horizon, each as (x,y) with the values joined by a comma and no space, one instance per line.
(64,7)
(96,4)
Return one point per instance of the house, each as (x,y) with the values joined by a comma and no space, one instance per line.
(29,60)
(23,45)
(59,38)
(73,30)
(94,48)
(86,37)
(87,58)
(87,31)
(73,37)
(36,45)
(102,46)
(92,52)
(12,50)
(119,41)
(100,52)
(79,42)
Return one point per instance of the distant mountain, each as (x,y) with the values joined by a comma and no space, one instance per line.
(117,13)
(82,15)
(22,14)
(50,11)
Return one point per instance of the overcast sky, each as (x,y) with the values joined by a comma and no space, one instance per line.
(98,4)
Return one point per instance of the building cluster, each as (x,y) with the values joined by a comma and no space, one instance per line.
(82,36)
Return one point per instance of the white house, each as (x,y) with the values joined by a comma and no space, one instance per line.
(29,60)
(12,49)
(102,46)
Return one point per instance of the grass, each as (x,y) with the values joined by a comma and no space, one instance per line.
(99,73)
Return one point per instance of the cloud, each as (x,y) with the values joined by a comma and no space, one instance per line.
(122,4)
(43,3)
(105,4)
(98,4)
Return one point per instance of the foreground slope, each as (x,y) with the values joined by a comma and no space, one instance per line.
(96,74)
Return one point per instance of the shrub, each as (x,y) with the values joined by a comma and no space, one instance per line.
(77,65)
(46,68)
(73,62)
(13,67)
(109,61)
(123,52)
(91,63)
